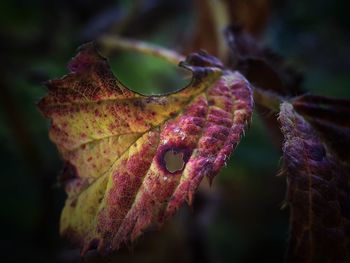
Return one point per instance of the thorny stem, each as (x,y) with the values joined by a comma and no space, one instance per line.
(108,43)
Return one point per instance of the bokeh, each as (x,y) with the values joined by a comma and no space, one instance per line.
(240,218)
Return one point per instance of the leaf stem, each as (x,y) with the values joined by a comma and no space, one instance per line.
(268,99)
(110,43)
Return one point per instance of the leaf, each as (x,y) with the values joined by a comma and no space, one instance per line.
(318,195)
(262,67)
(331,119)
(115,143)
(272,79)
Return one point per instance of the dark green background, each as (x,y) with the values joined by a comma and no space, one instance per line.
(240,218)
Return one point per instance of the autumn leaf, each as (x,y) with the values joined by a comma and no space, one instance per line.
(318,195)
(330,117)
(133,159)
(273,80)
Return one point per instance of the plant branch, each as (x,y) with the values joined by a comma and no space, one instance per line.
(108,43)
(268,99)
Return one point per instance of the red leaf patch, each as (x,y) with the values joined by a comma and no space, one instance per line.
(117,144)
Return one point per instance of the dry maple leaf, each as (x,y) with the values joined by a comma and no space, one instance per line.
(318,195)
(116,144)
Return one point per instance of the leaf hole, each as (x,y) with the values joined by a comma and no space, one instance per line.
(146,74)
(174,161)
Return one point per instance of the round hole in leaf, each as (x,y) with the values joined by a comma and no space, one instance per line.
(174,161)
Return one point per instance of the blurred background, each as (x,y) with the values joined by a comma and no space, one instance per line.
(239,219)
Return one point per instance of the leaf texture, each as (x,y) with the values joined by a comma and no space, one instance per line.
(114,143)
(318,195)
(331,119)
(269,74)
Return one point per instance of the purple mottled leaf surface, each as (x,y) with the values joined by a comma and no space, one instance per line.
(317,194)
